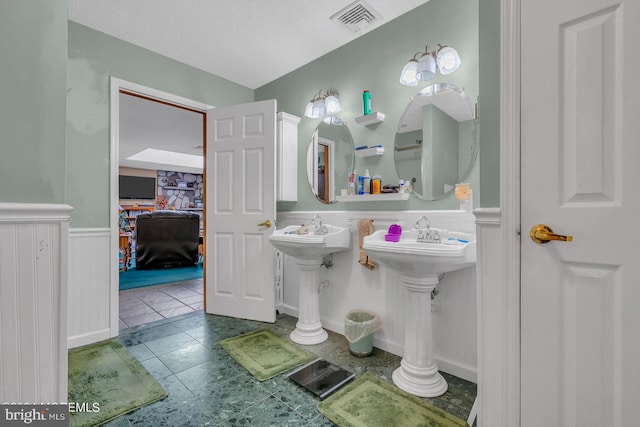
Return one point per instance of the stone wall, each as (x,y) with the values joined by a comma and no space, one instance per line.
(172,194)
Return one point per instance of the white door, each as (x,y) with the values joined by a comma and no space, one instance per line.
(240,195)
(580,307)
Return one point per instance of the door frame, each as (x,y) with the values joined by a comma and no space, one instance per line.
(329,160)
(498,268)
(116,85)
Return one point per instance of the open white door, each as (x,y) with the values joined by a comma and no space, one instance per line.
(580,176)
(240,195)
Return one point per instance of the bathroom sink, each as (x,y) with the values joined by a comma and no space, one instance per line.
(418,259)
(420,265)
(313,244)
(308,251)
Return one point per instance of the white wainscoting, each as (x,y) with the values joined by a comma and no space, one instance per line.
(89,286)
(498,320)
(354,286)
(33,302)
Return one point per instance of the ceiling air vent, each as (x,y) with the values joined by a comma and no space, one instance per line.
(356,17)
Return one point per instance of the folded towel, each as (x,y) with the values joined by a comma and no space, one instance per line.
(365,228)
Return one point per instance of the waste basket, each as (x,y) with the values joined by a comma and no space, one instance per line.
(359,326)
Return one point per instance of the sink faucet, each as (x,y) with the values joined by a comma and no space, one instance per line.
(425,234)
(318,228)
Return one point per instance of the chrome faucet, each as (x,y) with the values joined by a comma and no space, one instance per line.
(318,228)
(425,234)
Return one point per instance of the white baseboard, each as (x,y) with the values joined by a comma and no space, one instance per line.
(288,309)
(89,338)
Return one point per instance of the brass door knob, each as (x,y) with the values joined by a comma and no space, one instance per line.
(267,224)
(541,233)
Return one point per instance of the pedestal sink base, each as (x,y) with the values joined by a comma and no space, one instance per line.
(418,374)
(309,328)
(423,382)
(302,335)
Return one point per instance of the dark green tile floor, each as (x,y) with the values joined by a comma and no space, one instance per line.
(208,388)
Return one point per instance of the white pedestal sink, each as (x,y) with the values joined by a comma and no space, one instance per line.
(420,265)
(308,250)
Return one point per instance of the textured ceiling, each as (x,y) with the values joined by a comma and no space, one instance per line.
(250,42)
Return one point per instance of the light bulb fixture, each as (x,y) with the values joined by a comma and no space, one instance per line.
(448,59)
(323,103)
(444,58)
(409,71)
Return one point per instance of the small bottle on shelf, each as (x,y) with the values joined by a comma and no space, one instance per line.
(366,182)
(376,183)
(366,102)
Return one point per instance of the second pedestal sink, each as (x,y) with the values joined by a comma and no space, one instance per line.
(308,251)
(420,265)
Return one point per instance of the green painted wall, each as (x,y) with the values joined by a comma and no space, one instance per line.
(489,105)
(93,58)
(33,71)
(33,48)
(373,62)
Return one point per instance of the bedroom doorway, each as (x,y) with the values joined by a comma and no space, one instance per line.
(159,137)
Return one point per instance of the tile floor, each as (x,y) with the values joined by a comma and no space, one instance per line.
(150,303)
(208,388)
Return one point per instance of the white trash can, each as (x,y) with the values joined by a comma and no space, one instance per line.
(359,326)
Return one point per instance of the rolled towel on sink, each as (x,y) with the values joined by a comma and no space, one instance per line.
(365,228)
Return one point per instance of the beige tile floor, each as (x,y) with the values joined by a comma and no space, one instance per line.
(151,303)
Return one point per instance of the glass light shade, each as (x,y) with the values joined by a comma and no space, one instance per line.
(318,110)
(408,74)
(426,69)
(332,105)
(448,60)
(308,110)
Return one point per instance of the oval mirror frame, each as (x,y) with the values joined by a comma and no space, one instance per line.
(436,140)
(330,157)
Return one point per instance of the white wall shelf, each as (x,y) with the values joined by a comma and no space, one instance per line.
(369,152)
(370,119)
(382,197)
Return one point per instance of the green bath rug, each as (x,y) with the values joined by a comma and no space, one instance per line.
(265,354)
(370,401)
(106,374)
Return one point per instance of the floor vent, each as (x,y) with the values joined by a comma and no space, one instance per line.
(356,17)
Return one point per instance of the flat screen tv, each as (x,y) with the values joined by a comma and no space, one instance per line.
(137,187)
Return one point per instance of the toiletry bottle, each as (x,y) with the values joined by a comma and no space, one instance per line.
(366,102)
(366,182)
(401,186)
(360,184)
(376,182)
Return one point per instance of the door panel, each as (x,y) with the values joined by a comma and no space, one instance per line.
(579,318)
(240,195)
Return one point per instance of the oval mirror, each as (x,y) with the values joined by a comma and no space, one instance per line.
(330,158)
(436,140)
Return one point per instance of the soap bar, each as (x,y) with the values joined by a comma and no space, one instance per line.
(302,230)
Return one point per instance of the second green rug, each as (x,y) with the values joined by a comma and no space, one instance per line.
(265,354)
(370,401)
(108,375)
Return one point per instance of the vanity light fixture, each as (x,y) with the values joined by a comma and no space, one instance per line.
(444,58)
(323,103)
